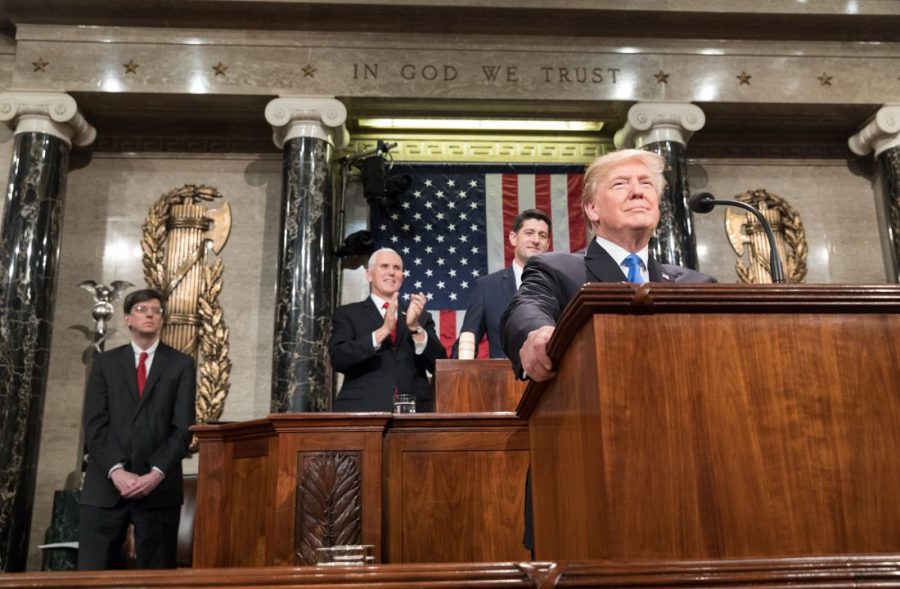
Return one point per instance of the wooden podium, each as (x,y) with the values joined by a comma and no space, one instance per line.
(719,421)
(476,386)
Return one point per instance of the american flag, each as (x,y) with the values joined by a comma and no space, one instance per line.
(451,227)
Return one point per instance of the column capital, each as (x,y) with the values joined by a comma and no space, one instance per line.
(879,133)
(652,122)
(321,117)
(53,113)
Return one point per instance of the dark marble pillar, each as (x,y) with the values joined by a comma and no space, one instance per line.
(881,136)
(307,129)
(665,128)
(45,125)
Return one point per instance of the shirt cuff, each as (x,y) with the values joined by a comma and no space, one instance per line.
(420,346)
(159,471)
(114,468)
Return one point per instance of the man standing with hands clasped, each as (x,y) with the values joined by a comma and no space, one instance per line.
(382,345)
(138,406)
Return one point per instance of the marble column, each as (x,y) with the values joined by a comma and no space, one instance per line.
(45,126)
(665,128)
(307,129)
(881,137)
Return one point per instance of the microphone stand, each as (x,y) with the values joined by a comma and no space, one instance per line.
(704,203)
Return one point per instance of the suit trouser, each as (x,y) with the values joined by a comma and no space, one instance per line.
(102,530)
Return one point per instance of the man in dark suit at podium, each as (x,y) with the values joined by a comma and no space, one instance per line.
(384,345)
(530,236)
(138,406)
(621,201)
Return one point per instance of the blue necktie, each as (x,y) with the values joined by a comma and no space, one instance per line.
(633,261)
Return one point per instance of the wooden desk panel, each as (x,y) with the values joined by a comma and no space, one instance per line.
(476,386)
(455,488)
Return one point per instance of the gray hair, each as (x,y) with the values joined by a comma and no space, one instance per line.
(371,263)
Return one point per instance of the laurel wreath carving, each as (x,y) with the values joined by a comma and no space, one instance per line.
(792,232)
(215,367)
(328,503)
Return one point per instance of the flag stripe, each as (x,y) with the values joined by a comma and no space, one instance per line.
(559,211)
(577,230)
(446,321)
(493,185)
(510,210)
(542,196)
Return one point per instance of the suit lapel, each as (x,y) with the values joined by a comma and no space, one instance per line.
(508,284)
(657,274)
(160,359)
(125,360)
(600,265)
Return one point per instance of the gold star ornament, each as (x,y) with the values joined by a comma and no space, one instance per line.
(308,71)
(661,77)
(40,65)
(744,78)
(825,79)
(220,69)
(131,67)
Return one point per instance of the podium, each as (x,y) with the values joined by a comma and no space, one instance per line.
(476,386)
(719,421)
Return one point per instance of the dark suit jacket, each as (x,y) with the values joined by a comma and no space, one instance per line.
(139,433)
(370,375)
(490,298)
(551,280)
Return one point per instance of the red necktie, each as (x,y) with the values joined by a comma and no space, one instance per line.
(393,331)
(142,373)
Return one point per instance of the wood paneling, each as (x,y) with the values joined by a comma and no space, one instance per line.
(474,386)
(455,488)
(763,422)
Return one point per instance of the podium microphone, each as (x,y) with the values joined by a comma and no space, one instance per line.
(704,202)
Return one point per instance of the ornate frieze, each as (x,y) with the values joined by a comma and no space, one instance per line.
(441,67)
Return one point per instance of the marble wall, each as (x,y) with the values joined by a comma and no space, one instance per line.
(108,198)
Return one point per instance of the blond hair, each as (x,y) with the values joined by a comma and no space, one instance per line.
(605,164)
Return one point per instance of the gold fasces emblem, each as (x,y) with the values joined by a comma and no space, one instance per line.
(749,241)
(178,233)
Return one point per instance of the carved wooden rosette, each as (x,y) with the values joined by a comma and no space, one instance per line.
(329,512)
(176,233)
(749,241)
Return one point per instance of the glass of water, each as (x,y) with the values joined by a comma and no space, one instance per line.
(404,403)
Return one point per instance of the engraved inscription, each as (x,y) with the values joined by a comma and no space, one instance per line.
(498,73)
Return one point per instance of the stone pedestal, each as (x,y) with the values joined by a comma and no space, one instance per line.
(307,129)
(665,128)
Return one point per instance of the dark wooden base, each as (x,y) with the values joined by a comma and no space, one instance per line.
(833,572)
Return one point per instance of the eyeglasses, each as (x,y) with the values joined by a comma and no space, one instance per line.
(145,309)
